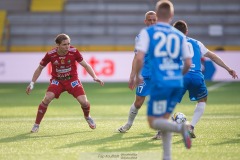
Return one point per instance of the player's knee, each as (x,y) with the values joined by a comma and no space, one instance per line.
(47,99)
(150,122)
(203,99)
(138,104)
(85,104)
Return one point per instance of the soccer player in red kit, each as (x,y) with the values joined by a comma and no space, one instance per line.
(63,59)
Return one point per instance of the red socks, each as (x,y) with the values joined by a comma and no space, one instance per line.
(86,110)
(42,108)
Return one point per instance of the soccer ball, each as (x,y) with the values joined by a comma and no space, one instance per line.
(179,118)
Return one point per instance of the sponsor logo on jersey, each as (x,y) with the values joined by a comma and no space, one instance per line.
(63,70)
(74,83)
(63,75)
(62,67)
(54,82)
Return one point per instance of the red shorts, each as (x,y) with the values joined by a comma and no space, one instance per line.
(73,86)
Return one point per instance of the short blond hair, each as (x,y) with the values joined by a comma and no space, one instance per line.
(164,9)
(150,13)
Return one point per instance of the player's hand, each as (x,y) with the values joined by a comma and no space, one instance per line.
(131,83)
(233,74)
(99,81)
(30,88)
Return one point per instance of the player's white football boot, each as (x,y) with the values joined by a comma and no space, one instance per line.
(35,128)
(157,136)
(186,135)
(90,122)
(124,128)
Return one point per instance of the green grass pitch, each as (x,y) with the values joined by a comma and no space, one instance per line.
(64,134)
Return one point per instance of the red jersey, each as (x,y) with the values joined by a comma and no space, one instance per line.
(63,66)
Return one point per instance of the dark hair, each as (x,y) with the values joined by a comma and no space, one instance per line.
(181,26)
(61,37)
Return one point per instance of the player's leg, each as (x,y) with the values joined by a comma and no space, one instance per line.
(198,112)
(167,145)
(75,88)
(142,91)
(134,108)
(42,108)
(179,95)
(160,107)
(132,113)
(85,105)
(54,90)
(199,93)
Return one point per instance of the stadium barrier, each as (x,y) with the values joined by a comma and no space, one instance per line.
(109,66)
(39,48)
(96,48)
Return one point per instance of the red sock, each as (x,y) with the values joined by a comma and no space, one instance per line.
(42,108)
(86,110)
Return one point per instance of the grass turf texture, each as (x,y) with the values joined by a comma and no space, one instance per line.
(64,134)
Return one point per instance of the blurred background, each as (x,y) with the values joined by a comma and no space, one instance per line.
(110,25)
(29,26)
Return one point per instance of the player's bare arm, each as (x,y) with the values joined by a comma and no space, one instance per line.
(36,74)
(91,72)
(215,58)
(138,66)
(187,64)
(131,83)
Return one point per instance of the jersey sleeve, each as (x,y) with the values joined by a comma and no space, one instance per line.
(45,60)
(185,49)
(142,43)
(136,39)
(203,49)
(79,56)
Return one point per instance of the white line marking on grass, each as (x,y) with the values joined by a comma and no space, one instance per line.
(217,85)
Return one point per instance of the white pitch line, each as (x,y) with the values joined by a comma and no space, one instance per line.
(217,85)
